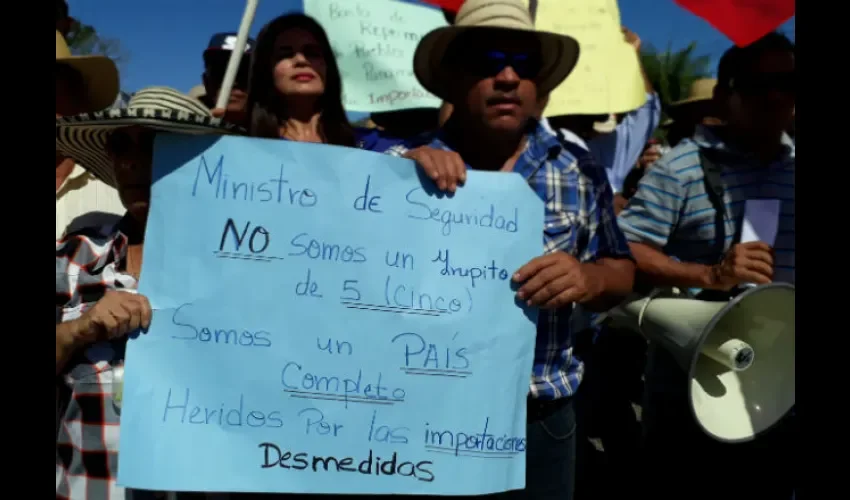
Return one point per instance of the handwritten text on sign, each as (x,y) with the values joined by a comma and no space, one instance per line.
(324,325)
(374,42)
(607,77)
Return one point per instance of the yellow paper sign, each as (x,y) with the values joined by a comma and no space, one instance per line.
(607,78)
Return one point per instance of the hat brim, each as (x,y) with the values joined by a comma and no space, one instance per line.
(560,55)
(83,137)
(100,79)
(680,110)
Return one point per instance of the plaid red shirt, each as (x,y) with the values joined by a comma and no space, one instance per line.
(88,263)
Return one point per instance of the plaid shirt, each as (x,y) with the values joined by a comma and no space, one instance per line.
(579,220)
(88,263)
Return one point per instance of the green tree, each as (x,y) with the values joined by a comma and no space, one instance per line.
(84,40)
(673,71)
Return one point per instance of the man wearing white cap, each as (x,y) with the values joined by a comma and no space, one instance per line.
(494,69)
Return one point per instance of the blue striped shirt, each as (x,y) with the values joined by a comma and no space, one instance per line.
(672,211)
(579,219)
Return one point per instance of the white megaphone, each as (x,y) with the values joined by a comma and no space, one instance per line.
(739,355)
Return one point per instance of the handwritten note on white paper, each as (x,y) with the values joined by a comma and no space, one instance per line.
(761,221)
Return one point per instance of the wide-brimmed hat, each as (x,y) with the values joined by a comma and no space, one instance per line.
(83,137)
(700,95)
(99,74)
(560,52)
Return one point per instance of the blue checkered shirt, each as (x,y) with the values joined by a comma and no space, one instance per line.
(579,220)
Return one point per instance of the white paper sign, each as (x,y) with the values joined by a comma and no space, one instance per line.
(761,221)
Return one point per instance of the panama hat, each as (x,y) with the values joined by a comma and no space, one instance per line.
(560,52)
(700,96)
(99,74)
(83,137)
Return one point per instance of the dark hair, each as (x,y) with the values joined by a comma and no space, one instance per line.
(737,61)
(266,110)
(61,10)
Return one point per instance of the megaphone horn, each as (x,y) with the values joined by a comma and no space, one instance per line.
(739,355)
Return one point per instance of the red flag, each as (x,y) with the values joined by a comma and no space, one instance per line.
(743,21)
(450,5)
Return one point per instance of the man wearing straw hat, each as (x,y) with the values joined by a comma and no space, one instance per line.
(83,84)
(494,69)
(96,268)
(696,109)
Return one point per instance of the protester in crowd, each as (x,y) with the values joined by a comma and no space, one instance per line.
(296,94)
(83,84)
(296,87)
(679,240)
(63,20)
(96,268)
(216,56)
(616,142)
(698,108)
(494,67)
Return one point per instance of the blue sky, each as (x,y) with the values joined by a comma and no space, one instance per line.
(164,38)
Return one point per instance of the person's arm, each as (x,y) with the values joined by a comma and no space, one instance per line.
(662,270)
(67,334)
(650,219)
(629,139)
(626,143)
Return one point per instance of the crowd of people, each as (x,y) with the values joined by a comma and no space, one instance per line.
(622,212)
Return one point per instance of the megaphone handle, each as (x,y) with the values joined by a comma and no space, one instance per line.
(649,298)
(743,287)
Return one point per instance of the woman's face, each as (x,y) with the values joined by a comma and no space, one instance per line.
(131,151)
(299,67)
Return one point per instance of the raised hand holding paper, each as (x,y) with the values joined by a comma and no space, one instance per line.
(374,44)
(323,324)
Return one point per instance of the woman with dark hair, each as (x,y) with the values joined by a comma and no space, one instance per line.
(295,89)
(295,93)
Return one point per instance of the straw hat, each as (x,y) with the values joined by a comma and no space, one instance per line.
(99,74)
(83,137)
(560,52)
(700,94)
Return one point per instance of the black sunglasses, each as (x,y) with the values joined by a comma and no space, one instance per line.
(491,63)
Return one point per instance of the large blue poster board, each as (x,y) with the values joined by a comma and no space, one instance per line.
(325,323)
